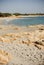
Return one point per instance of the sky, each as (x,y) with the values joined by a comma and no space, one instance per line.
(22,6)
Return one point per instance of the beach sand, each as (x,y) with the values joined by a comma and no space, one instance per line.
(24,44)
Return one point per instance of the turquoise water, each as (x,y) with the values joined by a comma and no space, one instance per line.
(28,21)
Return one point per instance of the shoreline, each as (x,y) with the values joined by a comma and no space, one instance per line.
(18,17)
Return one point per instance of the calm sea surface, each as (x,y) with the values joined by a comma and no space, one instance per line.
(27,21)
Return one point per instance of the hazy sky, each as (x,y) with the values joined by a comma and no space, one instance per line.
(22,6)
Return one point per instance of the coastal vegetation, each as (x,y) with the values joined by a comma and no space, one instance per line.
(4,14)
(18,14)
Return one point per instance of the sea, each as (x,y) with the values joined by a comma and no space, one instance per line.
(26,21)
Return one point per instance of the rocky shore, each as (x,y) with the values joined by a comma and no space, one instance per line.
(21,45)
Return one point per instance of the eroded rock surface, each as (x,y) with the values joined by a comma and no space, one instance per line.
(25,44)
(4,57)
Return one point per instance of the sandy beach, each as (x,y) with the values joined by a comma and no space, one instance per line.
(21,32)
(21,45)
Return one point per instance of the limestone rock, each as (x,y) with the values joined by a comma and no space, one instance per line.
(4,57)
